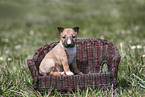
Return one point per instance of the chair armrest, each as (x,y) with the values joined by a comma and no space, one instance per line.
(32,68)
(34,72)
(115,64)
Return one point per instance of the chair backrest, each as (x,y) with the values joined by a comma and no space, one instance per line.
(92,54)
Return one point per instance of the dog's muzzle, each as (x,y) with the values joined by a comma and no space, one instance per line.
(69,43)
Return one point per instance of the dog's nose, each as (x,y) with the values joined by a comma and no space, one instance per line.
(69,45)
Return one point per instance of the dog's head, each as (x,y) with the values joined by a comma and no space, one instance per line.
(68,36)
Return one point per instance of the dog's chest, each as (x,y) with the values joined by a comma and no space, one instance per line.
(71,54)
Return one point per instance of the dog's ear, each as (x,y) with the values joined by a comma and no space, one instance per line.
(60,29)
(76,29)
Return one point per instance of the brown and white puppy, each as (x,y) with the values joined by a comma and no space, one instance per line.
(57,61)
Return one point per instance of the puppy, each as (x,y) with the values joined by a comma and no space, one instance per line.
(57,61)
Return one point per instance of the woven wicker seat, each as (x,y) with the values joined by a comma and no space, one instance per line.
(92,54)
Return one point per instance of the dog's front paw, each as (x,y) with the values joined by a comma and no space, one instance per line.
(62,73)
(69,73)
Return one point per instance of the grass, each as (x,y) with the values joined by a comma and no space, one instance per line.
(26,25)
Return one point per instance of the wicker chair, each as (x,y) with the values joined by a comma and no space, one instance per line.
(92,54)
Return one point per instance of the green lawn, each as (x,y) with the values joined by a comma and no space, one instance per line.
(26,25)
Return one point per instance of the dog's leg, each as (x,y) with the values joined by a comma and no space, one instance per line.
(56,73)
(75,68)
(46,66)
(66,68)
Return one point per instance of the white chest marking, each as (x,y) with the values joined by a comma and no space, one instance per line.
(71,53)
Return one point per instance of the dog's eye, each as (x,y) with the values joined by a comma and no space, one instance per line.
(63,37)
(73,36)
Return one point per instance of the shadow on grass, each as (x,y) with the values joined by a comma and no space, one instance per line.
(124,83)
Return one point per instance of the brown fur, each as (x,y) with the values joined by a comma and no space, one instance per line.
(56,60)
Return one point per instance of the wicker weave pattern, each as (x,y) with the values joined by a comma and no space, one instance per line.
(91,55)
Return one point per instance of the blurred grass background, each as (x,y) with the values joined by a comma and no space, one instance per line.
(26,25)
